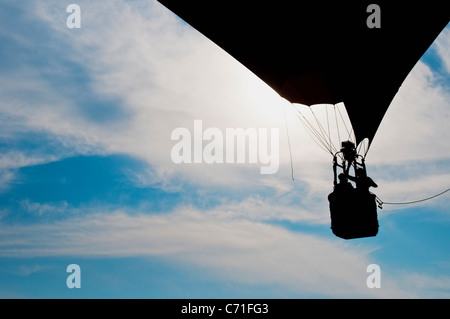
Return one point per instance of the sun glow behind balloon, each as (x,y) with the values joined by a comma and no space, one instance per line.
(266,105)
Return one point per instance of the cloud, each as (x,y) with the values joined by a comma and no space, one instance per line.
(163,74)
(130,76)
(233,242)
(415,186)
(6,177)
(233,249)
(43,209)
(409,155)
(259,209)
(140,62)
(414,128)
(26,270)
(442,44)
(432,287)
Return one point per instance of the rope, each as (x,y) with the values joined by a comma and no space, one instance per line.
(312,131)
(320,133)
(380,202)
(345,125)
(337,125)
(289,144)
(330,146)
(328,125)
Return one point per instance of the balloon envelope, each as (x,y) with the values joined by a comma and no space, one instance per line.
(314,52)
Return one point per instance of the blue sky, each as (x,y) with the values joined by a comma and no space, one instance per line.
(86,175)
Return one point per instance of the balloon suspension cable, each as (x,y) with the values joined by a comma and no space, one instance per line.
(323,135)
(321,128)
(289,144)
(313,132)
(349,132)
(380,202)
(337,125)
(363,146)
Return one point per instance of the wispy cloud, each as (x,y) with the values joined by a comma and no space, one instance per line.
(414,128)
(233,249)
(6,177)
(131,75)
(429,286)
(442,44)
(166,75)
(163,73)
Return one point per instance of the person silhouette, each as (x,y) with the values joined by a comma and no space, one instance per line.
(343,190)
(363,182)
(344,186)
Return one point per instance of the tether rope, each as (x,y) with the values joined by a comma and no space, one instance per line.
(380,202)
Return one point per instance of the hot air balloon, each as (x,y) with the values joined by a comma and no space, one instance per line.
(350,53)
